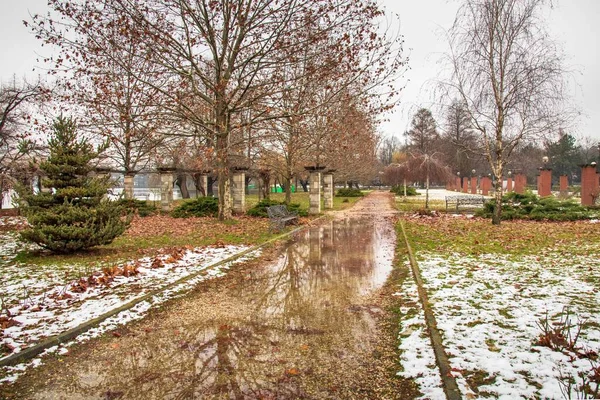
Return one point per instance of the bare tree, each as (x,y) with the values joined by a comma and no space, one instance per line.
(16,100)
(508,74)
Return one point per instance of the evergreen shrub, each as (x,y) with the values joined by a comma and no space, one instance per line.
(75,213)
(198,207)
(349,192)
(260,209)
(531,207)
(398,190)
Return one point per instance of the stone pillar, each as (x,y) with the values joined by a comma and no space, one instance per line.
(238,191)
(166,190)
(314,181)
(545,183)
(465,185)
(520,183)
(486,185)
(509,184)
(564,185)
(128,184)
(589,184)
(457,185)
(473,185)
(328,189)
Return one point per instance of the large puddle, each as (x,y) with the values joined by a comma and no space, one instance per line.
(293,329)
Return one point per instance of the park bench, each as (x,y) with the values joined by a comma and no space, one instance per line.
(464,201)
(279,216)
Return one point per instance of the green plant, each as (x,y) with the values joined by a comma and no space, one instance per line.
(74,214)
(530,206)
(198,207)
(349,192)
(141,207)
(398,190)
(260,209)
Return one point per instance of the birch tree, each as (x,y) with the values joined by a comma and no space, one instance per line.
(509,74)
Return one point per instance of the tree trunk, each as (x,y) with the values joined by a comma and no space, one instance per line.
(497,216)
(304,184)
(288,189)
(224,180)
(427,188)
(181,182)
(247,184)
(209,186)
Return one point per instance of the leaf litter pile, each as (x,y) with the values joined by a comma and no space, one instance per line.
(45,300)
(518,307)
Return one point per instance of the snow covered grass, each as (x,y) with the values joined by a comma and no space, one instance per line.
(490,308)
(43,301)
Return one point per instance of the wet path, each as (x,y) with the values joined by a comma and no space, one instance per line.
(301,325)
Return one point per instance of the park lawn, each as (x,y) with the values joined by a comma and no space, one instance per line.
(493,290)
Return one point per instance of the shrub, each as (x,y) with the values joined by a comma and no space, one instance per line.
(532,207)
(260,209)
(349,192)
(198,207)
(141,207)
(398,190)
(75,215)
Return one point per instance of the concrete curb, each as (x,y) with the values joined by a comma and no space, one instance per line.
(32,351)
(448,381)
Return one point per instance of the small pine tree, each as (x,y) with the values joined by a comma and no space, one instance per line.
(74,215)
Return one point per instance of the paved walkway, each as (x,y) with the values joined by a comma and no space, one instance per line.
(310,319)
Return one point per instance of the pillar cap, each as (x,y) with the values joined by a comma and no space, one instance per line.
(240,168)
(166,169)
(315,168)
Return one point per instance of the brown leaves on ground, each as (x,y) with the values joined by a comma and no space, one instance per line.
(105,277)
(7,322)
(477,235)
(201,228)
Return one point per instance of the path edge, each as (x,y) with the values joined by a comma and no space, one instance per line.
(448,381)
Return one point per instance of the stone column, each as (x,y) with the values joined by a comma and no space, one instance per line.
(457,185)
(545,183)
(238,190)
(166,189)
(589,184)
(509,184)
(520,183)
(486,185)
(465,185)
(473,185)
(128,184)
(328,189)
(314,181)
(564,185)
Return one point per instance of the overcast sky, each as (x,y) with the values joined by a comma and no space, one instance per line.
(573,23)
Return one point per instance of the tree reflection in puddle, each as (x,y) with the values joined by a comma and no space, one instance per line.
(273,334)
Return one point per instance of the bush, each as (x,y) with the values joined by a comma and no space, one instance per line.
(349,192)
(398,190)
(260,209)
(141,207)
(198,207)
(532,207)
